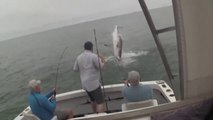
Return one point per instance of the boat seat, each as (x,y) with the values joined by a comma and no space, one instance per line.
(30,116)
(140,104)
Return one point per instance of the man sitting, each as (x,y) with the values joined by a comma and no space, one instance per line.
(44,106)
(134,91)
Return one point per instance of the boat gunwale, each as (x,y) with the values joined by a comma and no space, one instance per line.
(155,84)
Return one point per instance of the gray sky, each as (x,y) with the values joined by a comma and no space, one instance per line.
(22,17)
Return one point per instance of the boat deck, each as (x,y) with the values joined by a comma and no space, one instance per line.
(81,105)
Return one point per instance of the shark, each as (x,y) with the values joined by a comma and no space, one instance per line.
(117,43)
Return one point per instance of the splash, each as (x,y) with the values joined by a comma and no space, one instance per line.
(127,58)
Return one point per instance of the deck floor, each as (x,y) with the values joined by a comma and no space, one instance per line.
(81,105)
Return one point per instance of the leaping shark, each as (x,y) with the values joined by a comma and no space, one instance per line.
(117,43)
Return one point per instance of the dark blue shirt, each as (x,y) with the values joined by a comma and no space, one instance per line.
(41,106)
(137,93)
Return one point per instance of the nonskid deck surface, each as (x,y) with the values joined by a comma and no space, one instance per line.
(81,105)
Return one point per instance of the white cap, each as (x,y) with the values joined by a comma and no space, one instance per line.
(34,83)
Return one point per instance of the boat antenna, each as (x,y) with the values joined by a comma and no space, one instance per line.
(101,77)
(57,70)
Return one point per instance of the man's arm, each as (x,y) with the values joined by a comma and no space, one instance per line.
(48,95)
(102,60)
(49,105)
(98,59)
(150,93)
(51,93)
(75,67)
(124,94)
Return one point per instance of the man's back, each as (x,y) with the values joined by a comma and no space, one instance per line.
(137,93)
(88,65)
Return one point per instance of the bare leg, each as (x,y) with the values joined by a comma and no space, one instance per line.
(93,104)
(100,108)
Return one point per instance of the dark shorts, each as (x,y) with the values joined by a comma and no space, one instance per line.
(96,95)
(61,115)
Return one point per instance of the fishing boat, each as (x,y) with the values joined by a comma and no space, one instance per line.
(79,101)
(193,26)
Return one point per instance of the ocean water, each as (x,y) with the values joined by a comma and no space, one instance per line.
(36,56)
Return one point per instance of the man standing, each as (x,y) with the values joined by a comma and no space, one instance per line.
(89,66)
(43,106)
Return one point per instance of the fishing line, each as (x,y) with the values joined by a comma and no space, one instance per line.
(57,70)
(101,77)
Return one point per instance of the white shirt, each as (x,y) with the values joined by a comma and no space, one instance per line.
(88,65)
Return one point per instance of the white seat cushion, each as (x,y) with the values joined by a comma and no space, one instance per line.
(141,104)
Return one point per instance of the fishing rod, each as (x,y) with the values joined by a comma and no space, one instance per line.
(101,77)
(57,70)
